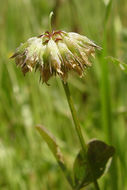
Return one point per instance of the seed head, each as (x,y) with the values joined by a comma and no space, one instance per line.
(54,53)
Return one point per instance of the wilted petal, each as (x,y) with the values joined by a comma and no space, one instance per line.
(82,40)
(54,56)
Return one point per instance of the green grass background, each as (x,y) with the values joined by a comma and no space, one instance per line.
(100,97)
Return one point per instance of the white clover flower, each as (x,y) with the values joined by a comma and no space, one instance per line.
(54,53)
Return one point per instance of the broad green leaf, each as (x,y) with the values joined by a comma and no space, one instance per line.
(91,166)
(122,65)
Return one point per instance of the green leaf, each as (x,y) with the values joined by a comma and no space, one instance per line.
(51,142)
(90,166)
(122,65)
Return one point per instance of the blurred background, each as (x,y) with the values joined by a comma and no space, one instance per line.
(100,97)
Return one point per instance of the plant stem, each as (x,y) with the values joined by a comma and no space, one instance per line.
(74,116)
(77,127)
(96,185)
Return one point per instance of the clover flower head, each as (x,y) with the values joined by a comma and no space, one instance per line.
(56,52)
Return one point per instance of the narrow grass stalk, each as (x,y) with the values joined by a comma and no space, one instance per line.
(107,120)
(77,126)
